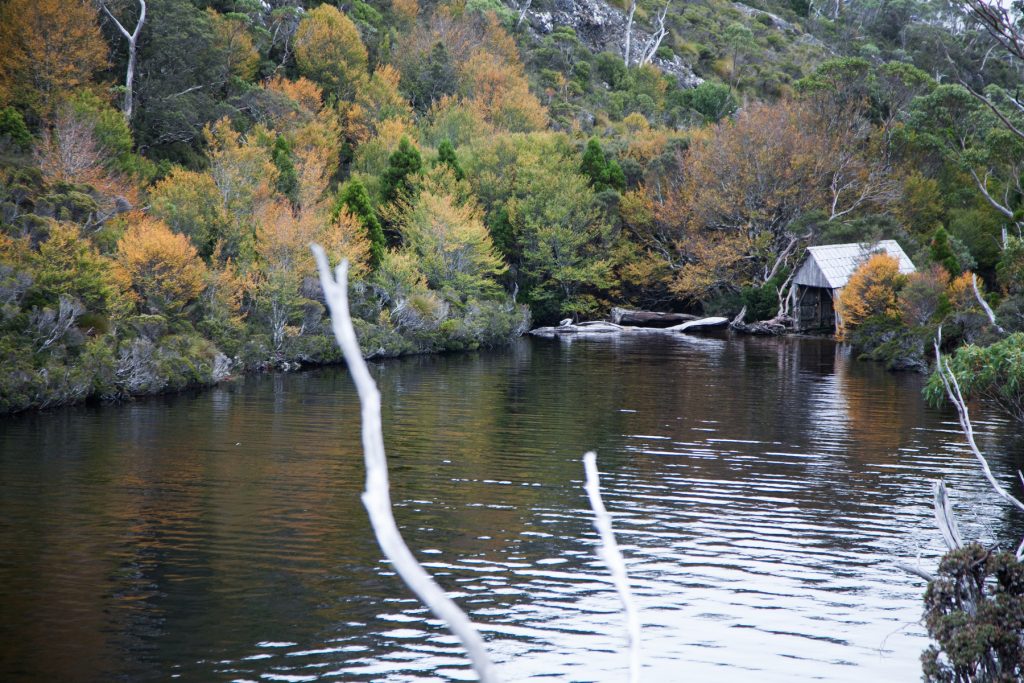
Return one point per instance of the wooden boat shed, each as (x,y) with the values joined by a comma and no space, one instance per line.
(825,271)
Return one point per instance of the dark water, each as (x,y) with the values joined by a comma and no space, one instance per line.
(762,490)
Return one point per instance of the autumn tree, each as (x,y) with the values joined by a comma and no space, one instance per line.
(161,269)
(50,48)
(452,245)
(190,203)
(329,50)
(872,290)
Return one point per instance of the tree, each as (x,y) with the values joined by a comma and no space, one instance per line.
(872,290)
(161,269)
(356,200)
(132,38)
(190,204)
(287,179)
(452,246)
(604,174)
(51,48)
(328,50)
(713,101)
(942,253)
(404,165)
(499,91)
(446,157)
(175,97)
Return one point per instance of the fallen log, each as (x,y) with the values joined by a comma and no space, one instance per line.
(714,321)
(631,318)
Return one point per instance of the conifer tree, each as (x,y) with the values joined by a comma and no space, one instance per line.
(446,156)
(356,199)
(287,179)
(603,174)
(942,252)
(403,166)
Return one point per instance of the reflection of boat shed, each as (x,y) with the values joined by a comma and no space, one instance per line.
(825,271)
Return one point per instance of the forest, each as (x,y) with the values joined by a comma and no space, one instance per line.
(164,165)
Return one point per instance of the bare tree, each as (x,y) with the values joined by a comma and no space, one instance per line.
(627,51)
(133,39)
(659,35)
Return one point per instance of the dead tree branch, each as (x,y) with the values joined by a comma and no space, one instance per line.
(612,557)
(377,498)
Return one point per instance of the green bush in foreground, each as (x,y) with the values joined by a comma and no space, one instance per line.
(993,373)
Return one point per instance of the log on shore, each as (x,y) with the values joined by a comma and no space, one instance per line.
(775,327)
(715,321)
(631,318)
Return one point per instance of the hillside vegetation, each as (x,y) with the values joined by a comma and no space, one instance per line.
(165,164)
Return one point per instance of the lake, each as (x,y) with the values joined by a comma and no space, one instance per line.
(761,490)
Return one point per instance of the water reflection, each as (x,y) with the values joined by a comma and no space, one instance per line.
(761,488)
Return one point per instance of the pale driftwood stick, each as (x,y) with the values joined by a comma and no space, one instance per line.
(984,304)
(377,498)
(916,571)
(612,557)
(945,519)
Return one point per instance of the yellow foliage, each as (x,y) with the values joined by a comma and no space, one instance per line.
(405,10)
(872,290)
(345,238)
(232,36)
(328,49)
(49,48)
(241,168)
(378,100)
(159,268)
(961,293)
(498,90)
(450,119)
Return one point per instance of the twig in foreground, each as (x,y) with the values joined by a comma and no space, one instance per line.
(609,552)
(377,498)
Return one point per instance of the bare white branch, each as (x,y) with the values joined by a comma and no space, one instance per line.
(377,497)
(984,304)
(945,519)
(956,397)
(612,557)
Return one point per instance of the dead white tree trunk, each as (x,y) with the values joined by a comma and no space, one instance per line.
(612,557)
(984,305)
(956,397)
(659,35)
(133,41)
(522,11)
(377,498)
(627,51)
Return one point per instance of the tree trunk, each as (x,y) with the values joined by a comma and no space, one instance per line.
(133,41)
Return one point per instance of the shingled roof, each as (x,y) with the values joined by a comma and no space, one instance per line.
(832,265)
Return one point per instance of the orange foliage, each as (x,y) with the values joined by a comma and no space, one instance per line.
(303,92)
(872,290)
(498,90)
(69,152)
(159,268)
(50,48)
